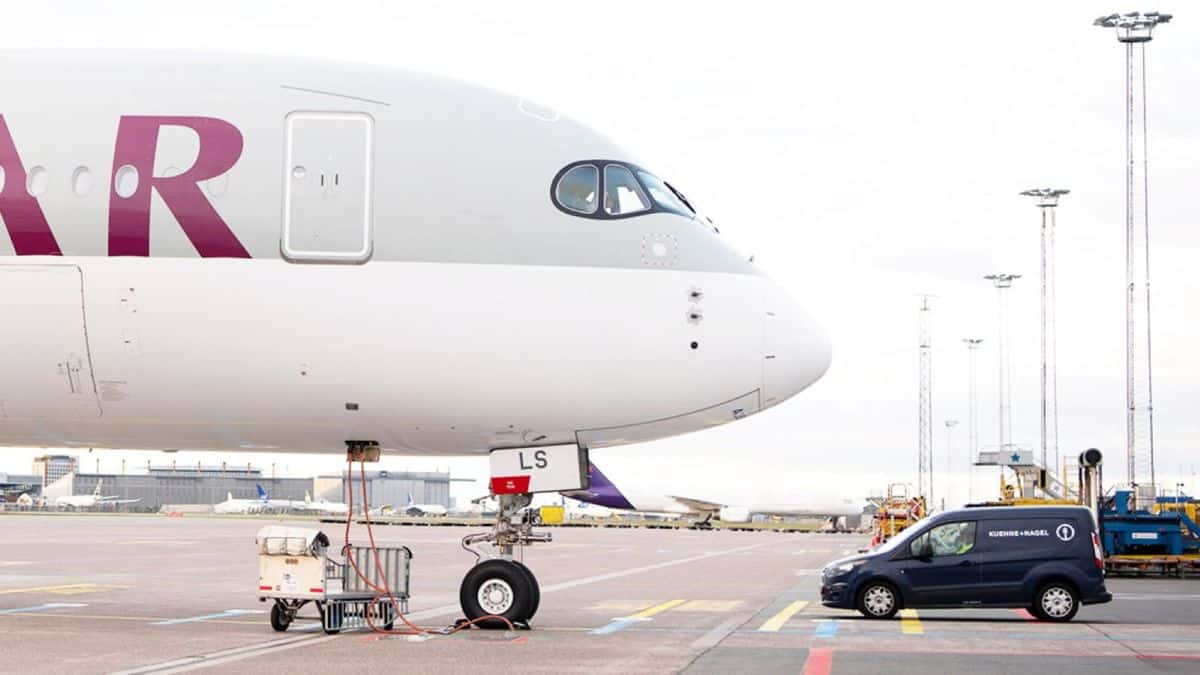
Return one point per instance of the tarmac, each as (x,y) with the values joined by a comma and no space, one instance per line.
(152,594)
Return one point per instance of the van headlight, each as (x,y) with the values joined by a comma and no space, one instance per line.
(843,568)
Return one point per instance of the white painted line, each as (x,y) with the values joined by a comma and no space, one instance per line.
(227,655)
(39,608)
(454,609)
(205,617)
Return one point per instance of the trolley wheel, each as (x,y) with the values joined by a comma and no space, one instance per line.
(337,613)
(535,598)
(495,588)
(280,617)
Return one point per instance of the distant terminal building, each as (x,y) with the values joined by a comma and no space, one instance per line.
(388,488)
(180,485)
(52,467)
(12,486)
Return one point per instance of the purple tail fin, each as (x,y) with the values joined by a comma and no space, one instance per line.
(601,491)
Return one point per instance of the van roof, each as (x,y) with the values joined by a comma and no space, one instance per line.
(979,512)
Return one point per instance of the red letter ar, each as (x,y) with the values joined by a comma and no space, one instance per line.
(129,217)
(27,226)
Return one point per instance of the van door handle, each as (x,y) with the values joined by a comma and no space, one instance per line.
(965,563)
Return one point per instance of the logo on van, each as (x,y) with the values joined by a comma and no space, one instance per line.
(1065,532)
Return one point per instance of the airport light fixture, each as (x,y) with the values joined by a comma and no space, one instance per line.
(1133,27)
(950,424)
(1003,282)
(1137,29)
(972,415)
(1047,200)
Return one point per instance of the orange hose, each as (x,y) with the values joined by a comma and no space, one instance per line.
(386,590)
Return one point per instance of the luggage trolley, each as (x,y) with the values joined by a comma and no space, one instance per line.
(294,570)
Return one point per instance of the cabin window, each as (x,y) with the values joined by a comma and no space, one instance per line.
(622,194)
(578,188)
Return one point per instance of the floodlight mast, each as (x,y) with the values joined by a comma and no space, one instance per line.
(1003,282)
(1047,200)
(972,416)
(925,404)
(1137,28)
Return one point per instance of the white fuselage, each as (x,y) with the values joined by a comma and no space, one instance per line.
(437,301)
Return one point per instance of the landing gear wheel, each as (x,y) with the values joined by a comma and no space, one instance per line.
(878,600)
(1056,601)
(281,618)
(496,588)
(535,597)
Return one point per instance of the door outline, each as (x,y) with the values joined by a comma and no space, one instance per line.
(363,253)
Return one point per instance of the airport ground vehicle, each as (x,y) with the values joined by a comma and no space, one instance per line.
(294,570)
(1045,559)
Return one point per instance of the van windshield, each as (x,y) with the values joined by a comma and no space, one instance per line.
(899,540)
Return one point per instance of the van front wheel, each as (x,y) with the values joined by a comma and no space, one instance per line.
(878,600)
(1056,601)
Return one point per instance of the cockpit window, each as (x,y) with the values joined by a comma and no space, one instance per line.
(621,190)
(577,189)
(622,194)
(664,195)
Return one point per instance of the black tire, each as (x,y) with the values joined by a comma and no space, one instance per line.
(878,600)
(1057,601)
(535,597)
(280,617)
(504,589)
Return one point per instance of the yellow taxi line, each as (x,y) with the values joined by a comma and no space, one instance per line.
(656,609)
(910,624)
(776,622)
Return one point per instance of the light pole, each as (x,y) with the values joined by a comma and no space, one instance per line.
(1003,282)
(1137,28)
(1047,200)
(950,424)
(972,415)
(925,405)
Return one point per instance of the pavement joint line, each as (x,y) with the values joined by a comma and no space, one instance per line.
(776,622)
(910,623)
(226,655)
(721,631)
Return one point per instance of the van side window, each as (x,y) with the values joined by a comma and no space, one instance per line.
(945,540)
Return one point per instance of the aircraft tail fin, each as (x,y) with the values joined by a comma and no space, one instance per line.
(228,496)
(410,500)
(262,494)
(99,486)
(601,491)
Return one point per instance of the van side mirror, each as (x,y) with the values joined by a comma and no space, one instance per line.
(921,549)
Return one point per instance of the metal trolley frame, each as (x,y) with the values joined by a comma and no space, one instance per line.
(293,576)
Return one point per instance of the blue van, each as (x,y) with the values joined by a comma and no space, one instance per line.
(1046,559)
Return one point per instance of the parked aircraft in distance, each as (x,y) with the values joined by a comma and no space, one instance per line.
(232,506)
(305,256)
(414,509)
(91,501)
(645,495)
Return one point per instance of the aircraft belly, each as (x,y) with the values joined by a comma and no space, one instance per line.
(426,358)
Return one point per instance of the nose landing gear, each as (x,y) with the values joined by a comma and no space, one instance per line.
(499,586)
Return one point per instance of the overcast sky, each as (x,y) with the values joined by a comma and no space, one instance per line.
(865,152)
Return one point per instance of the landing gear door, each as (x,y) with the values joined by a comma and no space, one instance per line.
(552,468)
(328,187)
(44,356)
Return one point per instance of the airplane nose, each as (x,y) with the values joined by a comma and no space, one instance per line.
(796,351)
